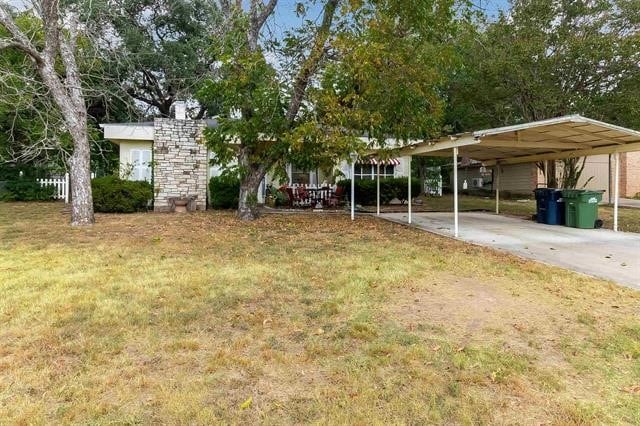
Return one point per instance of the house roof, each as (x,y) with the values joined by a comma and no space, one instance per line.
(143,131)
(556,138)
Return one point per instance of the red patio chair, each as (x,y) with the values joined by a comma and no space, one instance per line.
(337,197)
(290,197)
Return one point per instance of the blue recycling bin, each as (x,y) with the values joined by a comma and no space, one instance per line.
(549,206)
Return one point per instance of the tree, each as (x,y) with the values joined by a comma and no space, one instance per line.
(55,63)
(330,84)
(549,58)
(159,48)
(32,132)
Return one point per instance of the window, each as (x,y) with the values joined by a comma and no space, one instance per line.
(387,170)
(141,164)
(299,176)
(369,171)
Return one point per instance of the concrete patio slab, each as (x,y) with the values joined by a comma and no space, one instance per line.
(600,253)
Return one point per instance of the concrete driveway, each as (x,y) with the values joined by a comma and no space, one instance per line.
(601,253)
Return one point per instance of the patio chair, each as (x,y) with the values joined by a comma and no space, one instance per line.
(290,196)
(337,197)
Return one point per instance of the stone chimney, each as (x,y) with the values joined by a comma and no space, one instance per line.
(180,162)
(180,110)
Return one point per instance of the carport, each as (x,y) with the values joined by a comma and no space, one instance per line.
(554,139)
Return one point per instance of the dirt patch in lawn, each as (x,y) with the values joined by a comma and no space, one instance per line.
(474,315)
(475,312)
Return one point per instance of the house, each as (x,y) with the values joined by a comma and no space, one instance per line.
(171,153)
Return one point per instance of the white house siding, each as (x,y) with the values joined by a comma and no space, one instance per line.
(602,171)
(126,160)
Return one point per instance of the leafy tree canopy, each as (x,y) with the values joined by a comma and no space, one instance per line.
(160,49)
(374,67)
(548,58)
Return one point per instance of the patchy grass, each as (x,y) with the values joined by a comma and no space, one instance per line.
(629,218)
(151,318)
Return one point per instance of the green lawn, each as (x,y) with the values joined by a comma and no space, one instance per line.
(629,218)
(200,319)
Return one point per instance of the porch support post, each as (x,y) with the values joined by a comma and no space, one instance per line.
(455,192)
(497,179)
(409,189)
(378,189)
(353,190)
(616,192)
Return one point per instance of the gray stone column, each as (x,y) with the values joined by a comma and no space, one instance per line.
(179,162)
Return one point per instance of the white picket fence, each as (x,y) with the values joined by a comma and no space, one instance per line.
(61,186)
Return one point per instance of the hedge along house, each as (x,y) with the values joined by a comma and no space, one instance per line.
(171,153)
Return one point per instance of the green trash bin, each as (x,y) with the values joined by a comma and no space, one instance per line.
(581,208)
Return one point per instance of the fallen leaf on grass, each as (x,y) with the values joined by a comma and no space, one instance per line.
(632,389)
(247,403)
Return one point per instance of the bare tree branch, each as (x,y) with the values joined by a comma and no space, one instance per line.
(18,39)
(259,13)
(312,61)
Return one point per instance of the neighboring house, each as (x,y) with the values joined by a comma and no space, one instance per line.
(519,179)
(522,179)
(171,153)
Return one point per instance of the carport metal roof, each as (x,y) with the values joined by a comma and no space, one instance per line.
(570,136)
(553,139)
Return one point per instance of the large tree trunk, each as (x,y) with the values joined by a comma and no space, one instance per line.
(80,177)
(252,175)
(248,199)
(64,84)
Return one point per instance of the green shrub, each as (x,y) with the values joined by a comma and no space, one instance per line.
(390,188)
(114,195)
(26,190)
(224,191)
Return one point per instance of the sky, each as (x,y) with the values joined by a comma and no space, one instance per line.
(285,16)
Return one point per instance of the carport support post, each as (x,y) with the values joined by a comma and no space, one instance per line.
(353,191)
(378,189)
(354,157)
(455,192)
(409,188)
(497,170)
(616,192)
